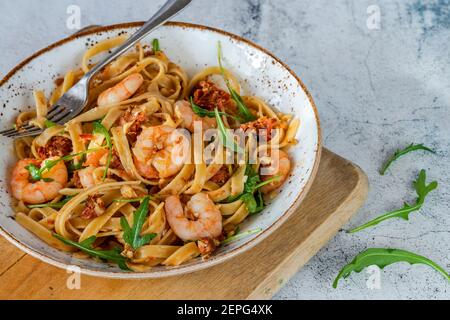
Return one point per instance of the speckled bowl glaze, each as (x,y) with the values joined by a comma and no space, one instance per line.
(193,47)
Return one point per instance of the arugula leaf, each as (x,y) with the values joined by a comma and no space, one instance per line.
(422,190)
(100,129)
(88,242)
(383,258)
(36,172)
(49,124)
(255,204)
(56,205)
(243,109)
(86,246)
(250,202)
(268,181)
(399,153)
(210,114)
(132,235)
(247,116)
(76,166)
(253,179)
(253,184)
(241,235)
(260,204)
(130,200)
(155,45)
(202,112)
(250,184)
(225,138)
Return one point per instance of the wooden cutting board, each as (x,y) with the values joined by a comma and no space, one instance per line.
(339,190)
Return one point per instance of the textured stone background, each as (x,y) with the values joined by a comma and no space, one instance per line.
(376,90)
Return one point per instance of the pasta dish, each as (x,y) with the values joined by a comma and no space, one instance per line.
(159,169)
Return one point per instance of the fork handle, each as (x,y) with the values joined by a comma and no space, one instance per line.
(168,10)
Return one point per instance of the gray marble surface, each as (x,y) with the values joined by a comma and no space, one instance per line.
(376,90)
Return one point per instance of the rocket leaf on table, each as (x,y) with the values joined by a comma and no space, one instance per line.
(412,147)
(383,258)
(422,190)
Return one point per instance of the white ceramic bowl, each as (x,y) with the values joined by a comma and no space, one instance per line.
(193,47)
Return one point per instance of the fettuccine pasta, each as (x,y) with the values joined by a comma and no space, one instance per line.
(159,169)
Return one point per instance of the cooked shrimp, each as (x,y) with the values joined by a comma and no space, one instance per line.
(41,191)
(207,222)
(93,158)
(121,91)
(184,111)
(160,152)
(86,177)
(280,166)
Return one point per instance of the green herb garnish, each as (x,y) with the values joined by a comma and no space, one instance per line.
(49,124)
(422,190)
(132,235)
(252,185)
(36,172)
(241,235)
(76,166)
(250,202)
(244,111)
(55,205)
(210,114)
(256,204)
(399,153)
(383,258)
(86,246)
(254,181)
(260,204)
(129,200)
(155,45)
(100,129)
(224,136)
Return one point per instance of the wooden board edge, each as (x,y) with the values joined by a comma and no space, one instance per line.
(12,254)
(351,201)
(299,257)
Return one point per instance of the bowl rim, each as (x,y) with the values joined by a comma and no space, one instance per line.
(175,271)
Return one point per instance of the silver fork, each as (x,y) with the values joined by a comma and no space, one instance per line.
(75,100)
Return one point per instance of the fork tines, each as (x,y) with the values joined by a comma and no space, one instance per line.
(56,114)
